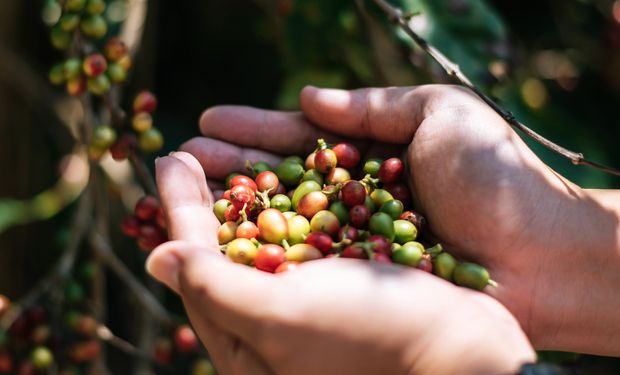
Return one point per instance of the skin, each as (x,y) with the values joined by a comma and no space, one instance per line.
(548,243)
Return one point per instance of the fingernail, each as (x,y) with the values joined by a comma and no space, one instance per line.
(164,265)
(172,153)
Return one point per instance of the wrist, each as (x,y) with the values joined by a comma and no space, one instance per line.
(576,303)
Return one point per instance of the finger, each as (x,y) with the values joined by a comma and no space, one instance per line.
(385,114)
(186,200)
(220,159)
(233,296)
(284,133)
(228,354)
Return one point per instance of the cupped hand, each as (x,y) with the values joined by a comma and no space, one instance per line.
(338,316)
(486,196)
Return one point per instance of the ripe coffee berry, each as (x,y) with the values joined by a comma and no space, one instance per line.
(94,65)
(325,160)
(348,156)
(185,339)
(145,101)
(391,170)
(146,208)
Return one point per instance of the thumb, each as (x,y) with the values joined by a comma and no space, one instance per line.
(389,115)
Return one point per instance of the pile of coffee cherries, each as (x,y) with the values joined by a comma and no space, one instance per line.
(304,210)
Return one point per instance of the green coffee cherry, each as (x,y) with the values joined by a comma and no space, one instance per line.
(60,39)
(409,254)
(471,275)
(372,166)
(289,173)
(151,140)
(280,202)
(57,74)
(404,231)
(380,196)
(444,265)
(381,223)
(393,208)
(341,211)
(69,22)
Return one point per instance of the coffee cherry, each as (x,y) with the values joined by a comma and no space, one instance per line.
(404,231)
(185,339)
(142,121)
(415,218)
(74,5)
(294,159)
(6,363)
(242,196)
(73,68)
(162,351)
(267,181)
(114,50)
(381,223)
(394,208)
(355,251)
(202,367)
(444,265)
(380,196)
(160,219)
(372,166)
(94,65)
(309,163)
(313,175)
(98,85)
(57,74)
(125,62)
(42,358)
(273,226)
(145,101)
(150,237)
(380,244)
(76,87)
(353,193)
(94,27)
(117,73)
(341,211)
(303,252)
(391,170)
(326,222)
(269,257)
(151,140)
(95,7)
(471,275)
(409,254)
(85,351)
(60,39)
(260,166)
(298,229)
(325,160)
(304,188)
(321,241)
(5,304)
(289,173)
(425,265)
(146,208)
(243,180)
(347,232)
(312,203)
(130,226)
(241,250)
(86,325)
(287,266)
(337,176)
(219,209)
(399,191)
(232,213)
(103,136)
(280,202)
(123,146)
(359,215)
(226,232)
(247,229)
(347,155)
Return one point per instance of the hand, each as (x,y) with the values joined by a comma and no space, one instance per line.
(338,316)
(551,246)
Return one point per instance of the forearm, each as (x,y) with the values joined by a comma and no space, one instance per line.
(580,310)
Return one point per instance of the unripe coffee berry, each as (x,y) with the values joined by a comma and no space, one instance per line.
(142,121)
(115,49)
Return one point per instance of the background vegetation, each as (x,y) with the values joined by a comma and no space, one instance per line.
(555,64)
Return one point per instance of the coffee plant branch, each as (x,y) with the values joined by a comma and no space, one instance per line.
(400,18)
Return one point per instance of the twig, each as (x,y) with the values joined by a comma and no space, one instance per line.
(397,16)
(143,173)
(106,335)
(103,249)
(63,267)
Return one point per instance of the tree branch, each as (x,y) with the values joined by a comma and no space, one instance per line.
(103,249)
(397,16)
